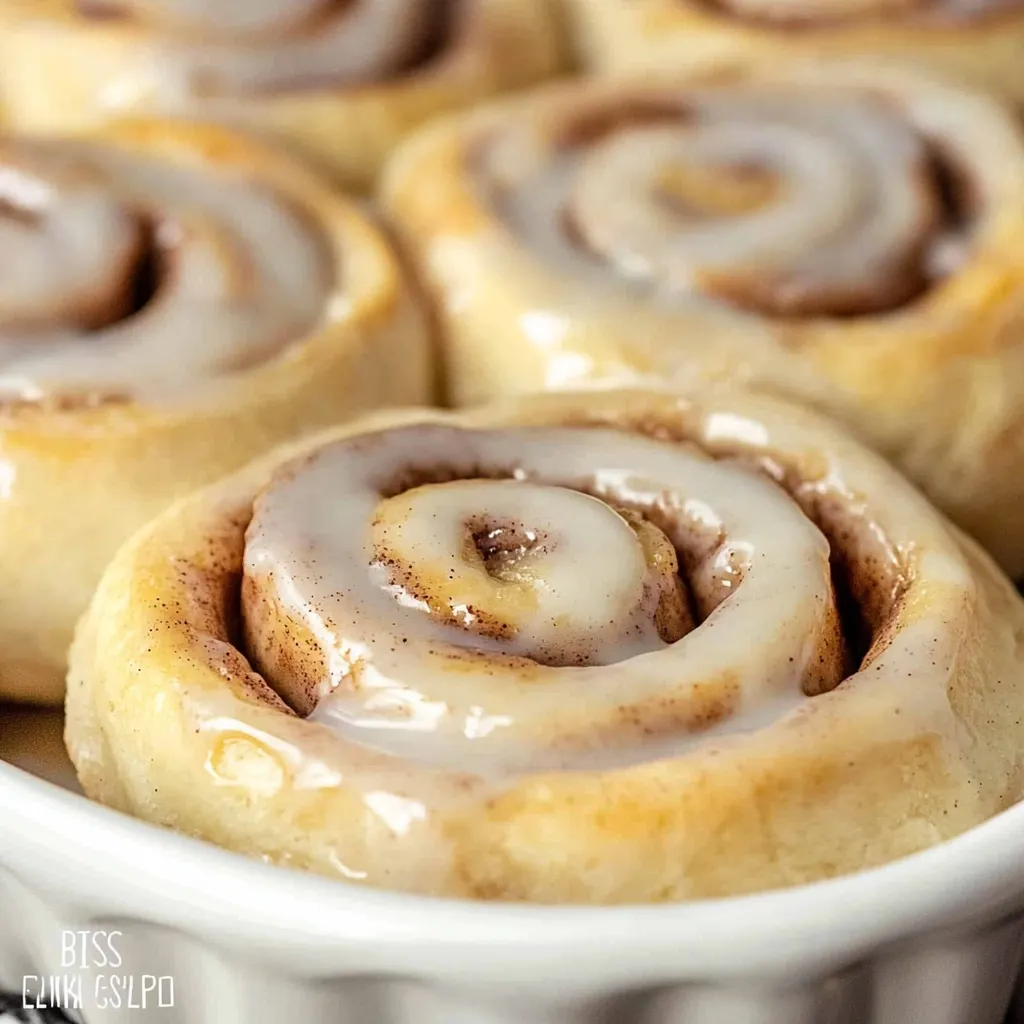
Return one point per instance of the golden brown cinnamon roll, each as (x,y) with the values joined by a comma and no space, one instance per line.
(851,236)
(173,301)
(978,42)
(340,80)
(587,647)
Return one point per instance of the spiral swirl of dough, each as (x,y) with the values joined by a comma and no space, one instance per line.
(123,274)
(490,572)
(779,199)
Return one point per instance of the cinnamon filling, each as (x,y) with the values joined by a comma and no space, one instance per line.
(502,545)
(150,271)
(595,123)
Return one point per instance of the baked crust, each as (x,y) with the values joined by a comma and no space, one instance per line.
(63,71)
(78,478)
(932,380)
(168,719)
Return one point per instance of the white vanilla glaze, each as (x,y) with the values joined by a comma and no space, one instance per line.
(404,661)
(793,198)
(238,274)
(201,51)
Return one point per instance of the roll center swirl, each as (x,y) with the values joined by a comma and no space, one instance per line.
(407,586)
(523,572)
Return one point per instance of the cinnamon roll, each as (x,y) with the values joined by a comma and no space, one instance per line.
(339,80)
(174,300)
(978,42)
(593,647)
(850,236)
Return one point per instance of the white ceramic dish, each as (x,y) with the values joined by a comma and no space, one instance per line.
(934,939)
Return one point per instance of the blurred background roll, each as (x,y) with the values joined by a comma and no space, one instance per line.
(850,235)
(980,42)
(174,300)
(340,81)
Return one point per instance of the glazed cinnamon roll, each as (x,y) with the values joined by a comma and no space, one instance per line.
(339,80)
(588,648)
(977,42)
(173,301)
(850,236)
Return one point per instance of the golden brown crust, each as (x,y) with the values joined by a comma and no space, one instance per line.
(934,383)
(63,71)
(881,766)
(77,480)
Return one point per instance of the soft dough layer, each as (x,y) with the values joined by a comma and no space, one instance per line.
(341,81)
(621,646)
(176,300)
(851,236)
(976,41)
